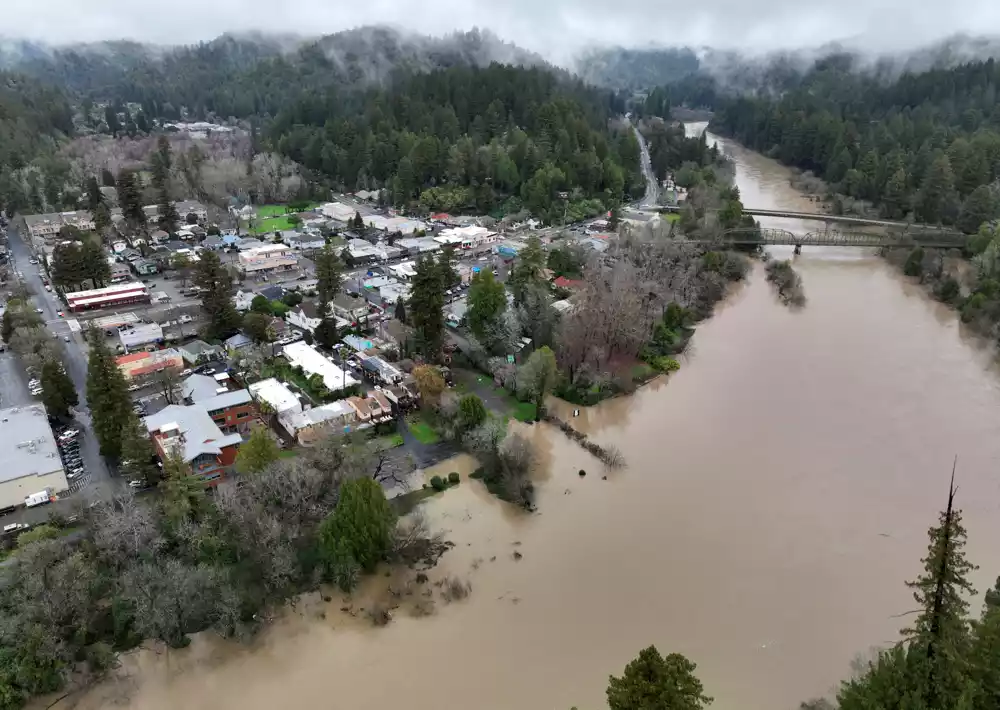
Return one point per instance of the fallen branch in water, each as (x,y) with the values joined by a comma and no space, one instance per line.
(609,455)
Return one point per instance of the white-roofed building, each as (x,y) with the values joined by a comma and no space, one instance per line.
(312,425)
(313,362)
(268,259)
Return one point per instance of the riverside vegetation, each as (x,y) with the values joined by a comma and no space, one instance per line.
(166,569)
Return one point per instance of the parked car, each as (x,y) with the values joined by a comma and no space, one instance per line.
(15,528)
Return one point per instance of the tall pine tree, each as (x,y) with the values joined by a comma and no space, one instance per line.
(107,396)
(217,296)
(426,305)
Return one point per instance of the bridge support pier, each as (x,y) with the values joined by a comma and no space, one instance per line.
(798,249)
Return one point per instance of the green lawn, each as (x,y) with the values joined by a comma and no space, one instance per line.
(423,432)
(672,216)
(383,443)
(524,411)
(265,211)
(273,224)
(288,453)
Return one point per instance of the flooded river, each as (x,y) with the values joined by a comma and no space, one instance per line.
(777,496)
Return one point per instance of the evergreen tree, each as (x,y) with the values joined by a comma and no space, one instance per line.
(94,196)
(937,192)
(527,268)
(216,296)
(328,278)
(138,455)
(358,533)
(400,311)
(58,391)
(446,265)
(426,304)
(982,205)
(940,633)
(655,682)
(487,304)
(895,197)
(162,162)
(107,396)
(130,200)
(95,263)
(257,453)
(111,118)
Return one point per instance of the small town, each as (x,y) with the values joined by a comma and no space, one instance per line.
(271,374)
(494,356)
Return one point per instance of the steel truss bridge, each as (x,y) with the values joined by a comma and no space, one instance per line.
(835,238)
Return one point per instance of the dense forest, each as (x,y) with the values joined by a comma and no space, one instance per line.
(926,145)
(436,122)
(467,137)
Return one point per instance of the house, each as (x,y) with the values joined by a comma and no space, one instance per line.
(140,335)
(237,342)
(313,425)
(302,241)
(120,273)
(47,225)
(212,243)
(371,410)
(277,328)
(400,398)
(197,352)
(248,243)
(468,237)
(274,396)
(313,362)
(186,207)
(563,306)
(454,312)
(196,388)
(269,259)
(144,267)
(138,365)
(381,371)
(230,411)
(159,236)
(305,316)
(190,433)
(271,293)
(348,307)
(417,245)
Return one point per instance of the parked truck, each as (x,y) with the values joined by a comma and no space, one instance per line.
(40,498)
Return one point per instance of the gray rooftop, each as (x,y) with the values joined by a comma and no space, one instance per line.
(225,400)
(141,334)
(199,387)
(29,446)
(199,433)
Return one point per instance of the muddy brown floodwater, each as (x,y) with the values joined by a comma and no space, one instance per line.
(777,496)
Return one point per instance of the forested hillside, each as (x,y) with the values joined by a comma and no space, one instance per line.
(466,137)
(32,118)
(925,144)
(436,121)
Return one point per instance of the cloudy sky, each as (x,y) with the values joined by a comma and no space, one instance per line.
(555,28)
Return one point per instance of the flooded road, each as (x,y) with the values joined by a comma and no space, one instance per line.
(777,497)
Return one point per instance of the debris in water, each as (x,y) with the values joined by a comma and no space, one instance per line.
(582,473)
(493,559)
(517,555)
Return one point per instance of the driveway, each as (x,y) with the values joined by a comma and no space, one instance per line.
(100,481)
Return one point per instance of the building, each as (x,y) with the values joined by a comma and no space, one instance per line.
(120,273)
(111,296)
(338,211)
(348,307)
(197,352)
(277,398)
(305,316)
(236,342)
(268,259)
(48,225)
(190,433)
(145,267)
(140,335)
(312,425)
(184,208)
(418,245)
(137,365)
(313,362)
(231,411)
(467,237)
(29,459)
(301,240)
(381,371)
(357,343)
(197,388)
(568,284)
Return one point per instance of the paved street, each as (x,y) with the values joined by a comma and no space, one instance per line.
(100,481)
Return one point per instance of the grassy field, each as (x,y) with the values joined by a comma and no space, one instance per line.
(423,432)
(288,453)
(272,224)
(672,216)
(524,411)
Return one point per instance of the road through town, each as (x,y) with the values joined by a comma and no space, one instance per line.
(97,481)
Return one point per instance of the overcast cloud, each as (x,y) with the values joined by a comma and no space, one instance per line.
(554,28)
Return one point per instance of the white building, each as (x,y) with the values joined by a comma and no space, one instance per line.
(313,362)
(306,316)
(268,259)
(29,459)
(312,425)
(468,237)
(281,400)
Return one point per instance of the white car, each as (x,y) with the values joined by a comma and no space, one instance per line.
(185,319)
(15,527)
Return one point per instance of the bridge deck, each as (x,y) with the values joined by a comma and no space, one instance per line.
(779,237)
(830,219)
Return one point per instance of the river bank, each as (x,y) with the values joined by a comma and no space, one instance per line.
(777,495)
